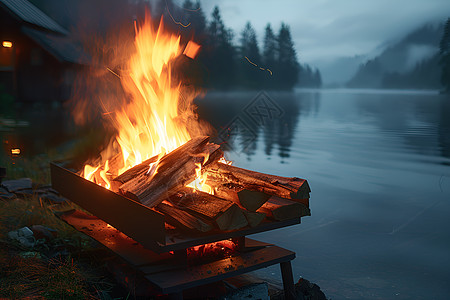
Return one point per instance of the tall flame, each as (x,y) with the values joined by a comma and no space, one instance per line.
(155,118)
(148,124)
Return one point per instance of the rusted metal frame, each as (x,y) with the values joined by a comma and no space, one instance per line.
(130,217)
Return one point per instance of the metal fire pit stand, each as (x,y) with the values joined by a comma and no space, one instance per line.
(170,274)
(138,234)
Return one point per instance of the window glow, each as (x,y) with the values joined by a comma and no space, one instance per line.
(7,44)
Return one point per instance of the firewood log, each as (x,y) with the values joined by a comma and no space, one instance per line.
(114,164)
(290,188)
(282,209)
(174,171)
(225,214)
(182,219)
(132,173)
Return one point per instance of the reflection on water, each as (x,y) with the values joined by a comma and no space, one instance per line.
(378,164)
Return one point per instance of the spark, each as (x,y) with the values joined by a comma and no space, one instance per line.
(113,72)
(261,68)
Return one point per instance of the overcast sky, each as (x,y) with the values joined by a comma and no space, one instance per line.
(324,29)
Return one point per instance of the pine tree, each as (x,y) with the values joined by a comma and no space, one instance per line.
(269,57)
(220,60)
(445,56)
(288,66)
(250,58)
(194,17)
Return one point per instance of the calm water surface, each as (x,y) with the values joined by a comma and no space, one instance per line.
(378,164)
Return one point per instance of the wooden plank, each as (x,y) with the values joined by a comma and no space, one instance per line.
(288,280)
(131,251)
(174,241)
(192,276)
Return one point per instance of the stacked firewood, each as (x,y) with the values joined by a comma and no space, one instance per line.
(241,197)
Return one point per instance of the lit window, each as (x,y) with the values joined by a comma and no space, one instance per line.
(7,44)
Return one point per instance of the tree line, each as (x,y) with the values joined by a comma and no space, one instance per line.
(222,64)
(444,51)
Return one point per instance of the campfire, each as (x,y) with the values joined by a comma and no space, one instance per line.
(162,182)
(160,158)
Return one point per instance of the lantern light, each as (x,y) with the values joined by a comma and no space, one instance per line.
(7,44)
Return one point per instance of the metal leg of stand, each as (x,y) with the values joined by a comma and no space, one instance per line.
(288,280)
(176,296)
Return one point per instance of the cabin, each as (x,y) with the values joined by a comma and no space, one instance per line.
(38,58)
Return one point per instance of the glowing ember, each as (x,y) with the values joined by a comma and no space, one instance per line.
(156,119)
(191,50)
(214,250)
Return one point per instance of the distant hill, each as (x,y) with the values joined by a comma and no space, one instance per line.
(410,63)
(339,71)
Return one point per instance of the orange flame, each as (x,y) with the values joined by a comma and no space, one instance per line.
(156,118)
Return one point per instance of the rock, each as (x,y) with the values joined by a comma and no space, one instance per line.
(24,193)
(24,236)
(309,290)
(52,198)
(5,195)
(43,232)
(16,185)
(304,290)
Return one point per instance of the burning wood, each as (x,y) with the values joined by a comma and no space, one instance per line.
(240,197)
(290,188)
(173,172)
(132,173)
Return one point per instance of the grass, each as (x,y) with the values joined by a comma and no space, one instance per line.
(37,168)
(32,277)
(29,273)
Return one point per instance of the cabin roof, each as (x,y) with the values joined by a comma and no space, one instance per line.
(63,48)
(28,13)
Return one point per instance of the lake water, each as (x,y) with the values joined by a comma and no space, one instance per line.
(378,163)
